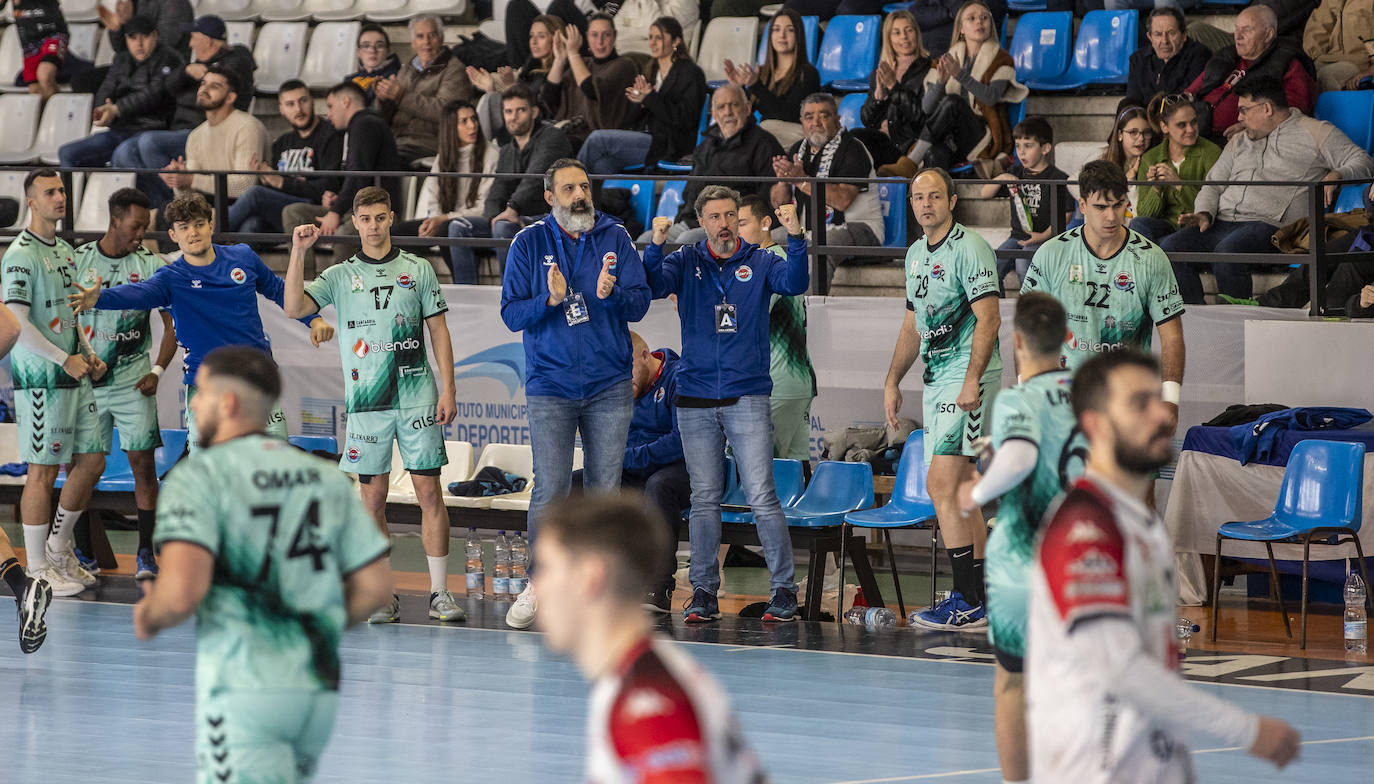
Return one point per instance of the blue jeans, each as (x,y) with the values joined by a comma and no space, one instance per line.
(1222,236)
(1021,265)
(94,150)
(749,426)
(611,151)
(604,420)
(1153,229)
(460,261)
(258,210)
(151,150)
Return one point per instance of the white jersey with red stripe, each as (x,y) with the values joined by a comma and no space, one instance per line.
(660,718)
(1101,554)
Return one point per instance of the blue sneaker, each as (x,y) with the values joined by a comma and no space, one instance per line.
(87,562)
(954,614)
(702,608)
(782,607)
(147,565)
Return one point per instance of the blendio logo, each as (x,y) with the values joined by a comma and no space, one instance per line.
(409,344)
(115,337)
(941,331)
(1083,345)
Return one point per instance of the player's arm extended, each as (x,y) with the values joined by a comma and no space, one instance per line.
(1013,462)
(367,589)
(1172,354)
(988,320)
(295,303)
(182,582)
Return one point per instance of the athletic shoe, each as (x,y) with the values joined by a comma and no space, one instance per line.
(660,600)
(87,562)
(443,608)
(702,608)
(32,607)
(59,584)
(147,565)
(953,614)
(782,607)
(521,614)
(64,563)
(388,614)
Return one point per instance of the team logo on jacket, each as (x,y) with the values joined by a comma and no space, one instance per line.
(609,258)
(134,277)
(354,455)
(937,271)
(1123,281)
(360,348)
(354,374)
(744,274)
(658,395)
(405,281)
(237,275)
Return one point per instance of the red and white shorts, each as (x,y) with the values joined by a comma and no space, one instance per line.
(53,49)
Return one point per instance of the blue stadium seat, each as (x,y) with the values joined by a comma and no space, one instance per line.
(1026,5)
(1016,112)
(641,197)
(892,197)
(328,444)
(119,477)
(811,26)
(849,110)
(1101,52)
(1351,198)
(670,200)
(1040,45)
(836,489)
(788,479)
(1352,111)
(849,52)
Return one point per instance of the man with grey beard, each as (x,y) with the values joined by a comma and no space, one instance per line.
(573,282)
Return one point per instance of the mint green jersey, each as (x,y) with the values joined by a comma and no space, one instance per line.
(382,307)
(285,529)
(1111,302)
(1037,410)
(120,338)
(40,274)
(942,283)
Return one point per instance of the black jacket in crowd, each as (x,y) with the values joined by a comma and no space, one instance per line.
(368,146)
(1149,75)
(321,150)
(785,106)
(167,16)
(235,57)
(902,109)
(140,90)
(748,153)
(547,144)
(672,113)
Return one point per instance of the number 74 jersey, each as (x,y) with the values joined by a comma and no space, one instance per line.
(1111,302)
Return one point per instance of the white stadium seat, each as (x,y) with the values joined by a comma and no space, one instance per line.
(93,214)
(520,502)
(727,37)
(11,60)
(513,458)
(81,40)
(281,10)
(240,33)
(357,10)
(12,182)
(495,27)
(331,53)
(228,10)
(323,10)
(458,469)
(279,53)
(67,117)
(411,8)
(18,125)
(104,51)
(80,10)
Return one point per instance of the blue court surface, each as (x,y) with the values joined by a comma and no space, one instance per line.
(428,703)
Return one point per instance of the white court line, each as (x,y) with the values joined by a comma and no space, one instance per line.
(747,648)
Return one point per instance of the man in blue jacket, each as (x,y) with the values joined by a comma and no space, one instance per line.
(572,283)
(723,285)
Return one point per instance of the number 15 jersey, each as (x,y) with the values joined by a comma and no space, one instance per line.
(1111,302)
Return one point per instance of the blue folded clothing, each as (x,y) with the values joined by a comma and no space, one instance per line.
(14,469)
(1257,440)
(490,481)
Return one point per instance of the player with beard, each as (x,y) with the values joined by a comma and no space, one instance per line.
(573,283)
(1106,703)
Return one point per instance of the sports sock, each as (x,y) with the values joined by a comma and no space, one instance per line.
(35,539)
(978,582)
(63,526)
(82,535)
(438,572)
(146,519)
(14,576)
(918,151)
(961,564)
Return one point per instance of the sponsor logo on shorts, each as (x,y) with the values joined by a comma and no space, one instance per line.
(56,447)
(422,422)
(946,408)
(354,455)
(366,438)
(405,281)
(1123,281)
(744,274)
(937,271)
(237,275)
(609,257)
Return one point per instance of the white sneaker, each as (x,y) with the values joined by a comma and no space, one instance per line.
(64,563)
(443,608)
(61,586)
(521,614)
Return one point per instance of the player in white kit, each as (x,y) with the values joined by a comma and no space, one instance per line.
(655,716)
(1106,703)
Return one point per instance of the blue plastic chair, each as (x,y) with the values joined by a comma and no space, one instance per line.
(670,200)
(1040,45)
(173,447)
(849,52)
(1026,5)
(328,444)
(1352,111)
(892,197)
(1101,52)
(789,480)
(1321,501)
(1350,198)
(1016,112)
(836,489)
(641,197)
(909,507)
(850,106)
(811,28)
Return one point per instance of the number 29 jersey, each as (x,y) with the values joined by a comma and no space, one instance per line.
(942,283)
(285,529)
(1111,302)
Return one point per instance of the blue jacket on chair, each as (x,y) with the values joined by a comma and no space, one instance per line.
(654,441)
(581,361)
(1257,440)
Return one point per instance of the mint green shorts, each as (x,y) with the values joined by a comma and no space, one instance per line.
(54,424)
(273,737)
(1006,576)
(949,430)
(367,446)
(134,413)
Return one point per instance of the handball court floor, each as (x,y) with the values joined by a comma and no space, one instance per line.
(819,702)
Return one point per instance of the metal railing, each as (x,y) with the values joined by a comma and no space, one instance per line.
(1317,259)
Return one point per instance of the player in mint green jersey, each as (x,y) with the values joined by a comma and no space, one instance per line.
(270,550)
(386,299)
(951,325)
(1117,286)
(125,397)
(53,402)
(1037,454)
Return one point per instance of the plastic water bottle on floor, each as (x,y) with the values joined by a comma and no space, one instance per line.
(1184,630)
(475,572)
(1356,622)
(872,617)
(500,568)
(519,562)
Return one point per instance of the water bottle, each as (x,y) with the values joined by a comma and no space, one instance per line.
(519,558)
(500,568)
(1184,630)
(1356,622)
(475,572)
(872,617)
